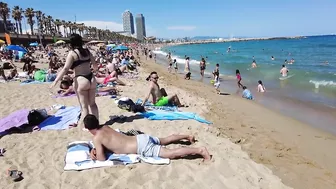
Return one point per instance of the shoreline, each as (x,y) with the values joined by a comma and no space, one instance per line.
(296,152)
(288,106)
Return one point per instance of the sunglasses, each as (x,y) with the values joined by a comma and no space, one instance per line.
(155,77)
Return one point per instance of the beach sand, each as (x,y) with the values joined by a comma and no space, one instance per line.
(301,156)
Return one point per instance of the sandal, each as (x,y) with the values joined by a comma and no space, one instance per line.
(2,151)
(15,175)
(36,128)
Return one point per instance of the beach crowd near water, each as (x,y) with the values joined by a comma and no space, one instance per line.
(55,135)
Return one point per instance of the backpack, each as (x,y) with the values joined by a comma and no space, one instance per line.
(126,104)
(36,117)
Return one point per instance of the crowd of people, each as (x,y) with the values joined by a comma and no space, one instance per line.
(86,71)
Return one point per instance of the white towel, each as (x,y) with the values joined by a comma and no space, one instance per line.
(78,158)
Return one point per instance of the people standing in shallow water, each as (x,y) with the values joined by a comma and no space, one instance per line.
(261,88)
(216,71)
(175,66)
(84,83)
(202,66)
(284,71)
(254,64)
(239,79)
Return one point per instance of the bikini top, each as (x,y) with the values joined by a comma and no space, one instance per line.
(79,61)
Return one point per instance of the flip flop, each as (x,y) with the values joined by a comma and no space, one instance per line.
(15,175)
(36,128)
(2,151)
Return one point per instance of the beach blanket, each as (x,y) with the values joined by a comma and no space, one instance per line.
(62,119)
(150,106)
(15,119)
(31,81)
(78,158)
(72,95)
(164,115)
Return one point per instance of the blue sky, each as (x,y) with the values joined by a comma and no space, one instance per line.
(181,18)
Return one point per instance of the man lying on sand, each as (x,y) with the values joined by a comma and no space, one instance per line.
(159,98)
(106,138)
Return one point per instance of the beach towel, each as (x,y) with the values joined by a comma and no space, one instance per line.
(72,95)
(62,119)
(78,158)
(31,81)
(164,115)
(150,106)
(15,119)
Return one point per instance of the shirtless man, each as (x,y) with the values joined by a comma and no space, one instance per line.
(284,71)
(106,138)
(158,98)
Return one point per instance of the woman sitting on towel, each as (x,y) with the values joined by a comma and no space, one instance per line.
(84,83)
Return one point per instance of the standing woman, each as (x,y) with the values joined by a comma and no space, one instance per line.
(202,66)
(84,82)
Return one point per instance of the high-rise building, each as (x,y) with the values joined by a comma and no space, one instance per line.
(128,22)
(140,27)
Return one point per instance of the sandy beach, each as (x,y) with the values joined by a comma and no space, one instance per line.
(252,147)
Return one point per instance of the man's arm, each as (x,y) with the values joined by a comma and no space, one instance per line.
(147,97)
(100,155)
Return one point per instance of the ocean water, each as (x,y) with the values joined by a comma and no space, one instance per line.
(313,81)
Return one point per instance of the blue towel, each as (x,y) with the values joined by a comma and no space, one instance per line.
(164,115)
(62,119)
(31,81)
(149,105)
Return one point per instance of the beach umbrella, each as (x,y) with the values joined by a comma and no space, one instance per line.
(60,42)
(16,48)
(33,44)
(2,41)
(121,48)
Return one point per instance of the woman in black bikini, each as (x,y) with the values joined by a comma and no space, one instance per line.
(202,67)
(84,82)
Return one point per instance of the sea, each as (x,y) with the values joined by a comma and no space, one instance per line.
(309,95)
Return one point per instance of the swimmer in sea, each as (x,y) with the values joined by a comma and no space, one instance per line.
(229,49)
(286,62)
(272,58)
(284,71)
(291,61)
(254,64)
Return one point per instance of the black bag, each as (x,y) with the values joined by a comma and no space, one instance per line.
(36,117)
(126,104)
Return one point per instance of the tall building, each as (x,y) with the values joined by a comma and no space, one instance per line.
(128,22)
(140,27)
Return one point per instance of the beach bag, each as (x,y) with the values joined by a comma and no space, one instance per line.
(126,104)
(36,117)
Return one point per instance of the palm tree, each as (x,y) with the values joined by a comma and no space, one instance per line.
(49,20)
(4,13)
(38,15)
(29,13)
(65,25)
(15,15)
(58,23)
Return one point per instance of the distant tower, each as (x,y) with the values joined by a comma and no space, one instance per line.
(128,23)
(140,27)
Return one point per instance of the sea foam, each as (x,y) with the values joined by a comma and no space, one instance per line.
(323,83)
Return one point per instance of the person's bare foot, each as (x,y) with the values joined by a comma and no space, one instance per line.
(204,152)
(191,139)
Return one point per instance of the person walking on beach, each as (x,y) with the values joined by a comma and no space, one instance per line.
(175,66)
(216,71)
(239,79)
(202,66)
(84,82)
